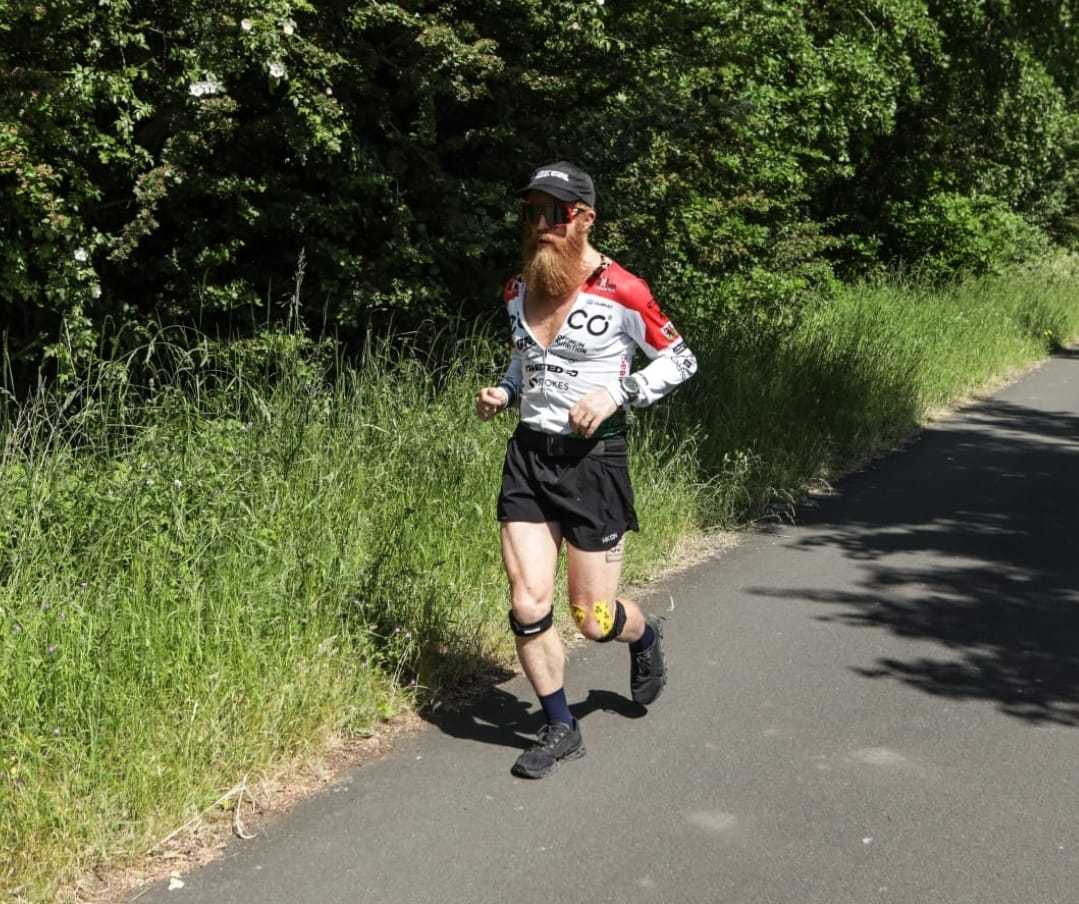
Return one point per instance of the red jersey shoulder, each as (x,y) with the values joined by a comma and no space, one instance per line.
(511,289)
(634,293)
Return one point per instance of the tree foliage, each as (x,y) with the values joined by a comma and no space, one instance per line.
(174,161)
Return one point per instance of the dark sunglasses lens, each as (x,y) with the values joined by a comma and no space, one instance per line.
(554,214)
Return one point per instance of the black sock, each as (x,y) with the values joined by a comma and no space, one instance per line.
(647,639)
(556,708)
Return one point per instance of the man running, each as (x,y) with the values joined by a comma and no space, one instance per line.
(576,319)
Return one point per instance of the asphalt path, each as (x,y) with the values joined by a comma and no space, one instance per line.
(879,703)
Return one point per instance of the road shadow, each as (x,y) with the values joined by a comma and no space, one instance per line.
(497,716)
(969,538)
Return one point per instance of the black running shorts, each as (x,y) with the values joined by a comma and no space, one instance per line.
(582,485)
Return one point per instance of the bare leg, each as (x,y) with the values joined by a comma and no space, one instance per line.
(530,556)
(593,589)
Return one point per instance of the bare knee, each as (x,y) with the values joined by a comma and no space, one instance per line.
(596,619)
(529,602)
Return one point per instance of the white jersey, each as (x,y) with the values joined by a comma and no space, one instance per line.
(613,315)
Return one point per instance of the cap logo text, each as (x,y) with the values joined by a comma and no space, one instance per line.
(557,174)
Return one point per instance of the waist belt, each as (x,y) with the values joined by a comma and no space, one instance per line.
(557,444)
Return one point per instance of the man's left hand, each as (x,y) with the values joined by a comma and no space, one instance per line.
(591,411)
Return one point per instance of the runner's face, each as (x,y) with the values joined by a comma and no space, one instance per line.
(542,231)
(553,256)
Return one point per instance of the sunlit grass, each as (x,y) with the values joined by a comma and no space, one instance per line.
(201,579)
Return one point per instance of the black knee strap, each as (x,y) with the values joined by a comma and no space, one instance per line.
(537,627)
(619,623)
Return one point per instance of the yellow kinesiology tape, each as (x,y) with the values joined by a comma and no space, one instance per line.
(580,615)
(604,615)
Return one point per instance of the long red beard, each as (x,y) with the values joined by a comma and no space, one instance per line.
(553,269)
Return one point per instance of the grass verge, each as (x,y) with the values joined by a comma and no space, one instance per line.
(204,579)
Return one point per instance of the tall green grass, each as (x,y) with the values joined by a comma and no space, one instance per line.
(201,578)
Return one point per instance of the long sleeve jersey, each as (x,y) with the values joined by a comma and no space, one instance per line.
(613,315)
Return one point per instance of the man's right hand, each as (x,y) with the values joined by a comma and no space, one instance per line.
(489,401)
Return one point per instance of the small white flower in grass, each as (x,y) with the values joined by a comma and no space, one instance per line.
(246,24)
(81,255)
(288,27)
(177,484)
(277,69)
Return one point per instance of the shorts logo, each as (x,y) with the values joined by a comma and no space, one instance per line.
(669,331)
(608,538)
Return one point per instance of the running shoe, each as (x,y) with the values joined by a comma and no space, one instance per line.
(555,741)
(647,673)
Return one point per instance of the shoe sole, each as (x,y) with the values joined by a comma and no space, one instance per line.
(553,768)
(657,626)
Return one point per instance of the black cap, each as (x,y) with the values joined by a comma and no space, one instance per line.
(563,180)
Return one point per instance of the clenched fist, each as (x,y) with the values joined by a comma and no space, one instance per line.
(489,401)
(591,411)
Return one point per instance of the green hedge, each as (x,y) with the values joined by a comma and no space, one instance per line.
(174,162)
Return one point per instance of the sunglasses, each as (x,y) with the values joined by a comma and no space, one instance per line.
(556,213)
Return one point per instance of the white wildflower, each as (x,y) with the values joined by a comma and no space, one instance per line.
(277,69)
(95,291)
(246,24)
(178,484)
(288,27)
(81,255)
(209,85)
(329,92)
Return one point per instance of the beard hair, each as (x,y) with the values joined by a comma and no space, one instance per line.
(553,269)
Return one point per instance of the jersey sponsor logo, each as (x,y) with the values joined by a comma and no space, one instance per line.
(551,369)
(548,383)
(687,364)
(569,344)
(596,325)
(524,342)
(669,331)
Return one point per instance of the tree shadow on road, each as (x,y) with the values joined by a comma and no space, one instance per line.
(970,538)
